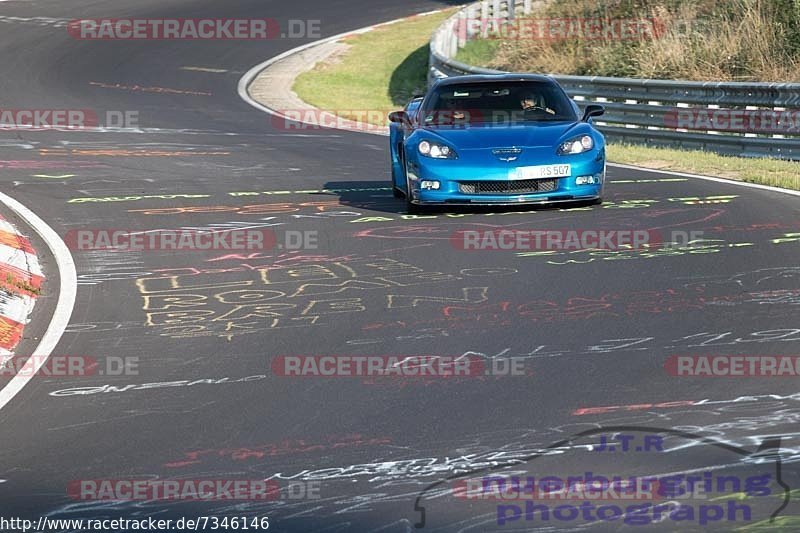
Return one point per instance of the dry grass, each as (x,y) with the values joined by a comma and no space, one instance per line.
(739,40)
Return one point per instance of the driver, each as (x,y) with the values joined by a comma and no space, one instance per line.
(532,102)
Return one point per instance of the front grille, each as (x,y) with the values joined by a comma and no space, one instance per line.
(508,187)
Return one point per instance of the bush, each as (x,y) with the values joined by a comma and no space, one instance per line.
(743,40)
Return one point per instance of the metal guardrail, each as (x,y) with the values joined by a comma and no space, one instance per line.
(645,111)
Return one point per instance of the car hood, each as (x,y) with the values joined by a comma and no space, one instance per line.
(482,136)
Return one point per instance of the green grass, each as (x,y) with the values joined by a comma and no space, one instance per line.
(478,52)
(382,69)
(773,172)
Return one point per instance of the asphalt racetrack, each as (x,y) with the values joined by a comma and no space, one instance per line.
(588,334)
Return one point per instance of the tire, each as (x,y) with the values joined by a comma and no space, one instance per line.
(411,209)
(397,192)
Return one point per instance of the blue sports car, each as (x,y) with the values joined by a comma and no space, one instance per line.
(500,139)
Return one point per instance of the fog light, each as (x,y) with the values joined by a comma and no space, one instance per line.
(427,184)
(589,180)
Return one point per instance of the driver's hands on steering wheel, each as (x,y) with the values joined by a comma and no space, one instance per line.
(530,105)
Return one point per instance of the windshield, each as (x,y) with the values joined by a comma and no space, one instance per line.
(498,103)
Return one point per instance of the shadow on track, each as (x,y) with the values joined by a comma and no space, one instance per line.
(377,196)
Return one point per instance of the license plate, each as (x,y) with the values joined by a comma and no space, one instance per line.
(541,171)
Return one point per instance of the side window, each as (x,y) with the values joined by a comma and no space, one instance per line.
(412,107)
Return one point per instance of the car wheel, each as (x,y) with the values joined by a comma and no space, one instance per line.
(411,208)
(397,192)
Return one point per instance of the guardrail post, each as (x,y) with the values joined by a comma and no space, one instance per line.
(526,7)
(485,18)
(461,34)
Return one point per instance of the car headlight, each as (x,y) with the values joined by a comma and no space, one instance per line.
(436,150)
(578,145)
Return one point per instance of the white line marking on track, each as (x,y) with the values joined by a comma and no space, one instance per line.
(68,288)
(205,69)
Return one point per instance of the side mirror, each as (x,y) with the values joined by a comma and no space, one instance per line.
(592,110)
(398,117)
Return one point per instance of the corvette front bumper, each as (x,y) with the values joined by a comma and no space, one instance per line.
(461,183)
